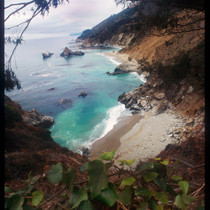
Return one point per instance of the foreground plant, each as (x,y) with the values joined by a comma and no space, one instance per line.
(149,187)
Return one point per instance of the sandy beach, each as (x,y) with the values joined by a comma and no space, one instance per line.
(141,136)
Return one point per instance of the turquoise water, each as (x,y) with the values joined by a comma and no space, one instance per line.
(81,120)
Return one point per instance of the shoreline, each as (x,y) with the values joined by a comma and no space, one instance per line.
(139,137)
(111,141)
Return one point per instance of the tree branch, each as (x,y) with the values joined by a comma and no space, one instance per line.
(20,8)
(17,4)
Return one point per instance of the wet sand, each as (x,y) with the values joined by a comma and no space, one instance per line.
(111,140)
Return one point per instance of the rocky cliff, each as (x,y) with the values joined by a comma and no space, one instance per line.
(29,147)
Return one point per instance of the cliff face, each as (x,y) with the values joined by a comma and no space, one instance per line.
(29,148)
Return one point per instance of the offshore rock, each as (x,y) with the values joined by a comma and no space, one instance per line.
(46,54)
(83,94)
(67,53)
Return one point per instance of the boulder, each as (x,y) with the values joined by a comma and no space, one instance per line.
(34,118)
(46,54)
(64,101)
(67,53)
(83,94)
(124,68)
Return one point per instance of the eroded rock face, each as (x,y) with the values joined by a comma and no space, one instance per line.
(46,54)
(125,68)
(36,119)
(67,53)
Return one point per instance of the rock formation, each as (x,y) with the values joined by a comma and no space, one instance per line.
(46,54)
(83,94)
(68,53)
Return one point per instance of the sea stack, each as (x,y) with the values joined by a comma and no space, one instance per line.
(67,53)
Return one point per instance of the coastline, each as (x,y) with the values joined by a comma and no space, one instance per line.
(111,141)
(139,137)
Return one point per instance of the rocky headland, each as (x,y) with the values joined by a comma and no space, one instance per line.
(168,109)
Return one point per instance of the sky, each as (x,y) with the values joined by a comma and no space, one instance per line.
(73,17)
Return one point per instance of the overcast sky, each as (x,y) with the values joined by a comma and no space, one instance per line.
(73,17)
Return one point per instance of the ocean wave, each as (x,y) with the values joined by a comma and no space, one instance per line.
(141,77)
(113,115)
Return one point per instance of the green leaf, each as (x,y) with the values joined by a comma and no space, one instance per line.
(161,182)
(125,196)
(8,189)
(176,177)
(159,207)
(15,202)
(109,195)
(108,155)
(37,197)
(85,205)
(155,167)
(128,181)
(55,174)
(149,176)
(165,162)
(187,199)
(152,204)
(184,186)
(143,206)
(143,191)
(69,178)
(77,196)
(162,197)
(179,202)
(28,207)
(97,177)
(127,162)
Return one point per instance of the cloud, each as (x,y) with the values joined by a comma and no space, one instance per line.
(74,17)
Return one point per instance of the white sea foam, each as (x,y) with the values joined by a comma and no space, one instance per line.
(141,77)
(113,115)
(114,60)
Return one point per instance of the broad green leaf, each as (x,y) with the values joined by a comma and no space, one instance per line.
(55,174)
(109,195)
(15,202)
(176,177)
(161,182)
(85,205)
(125,196)
(162,197)
(184,186)
(152,204)
(149,176)
(165,162)
(179,202)
(155,167)
(108,155)
(77,196)
(69,178)
(159,207)
(127,162)
(128,181)
(143,191)
(143,206)
(37,197)
(97,177)
(187,199)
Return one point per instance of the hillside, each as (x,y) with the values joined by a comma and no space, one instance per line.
(174,66)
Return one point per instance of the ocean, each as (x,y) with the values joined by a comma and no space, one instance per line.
(52,87)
